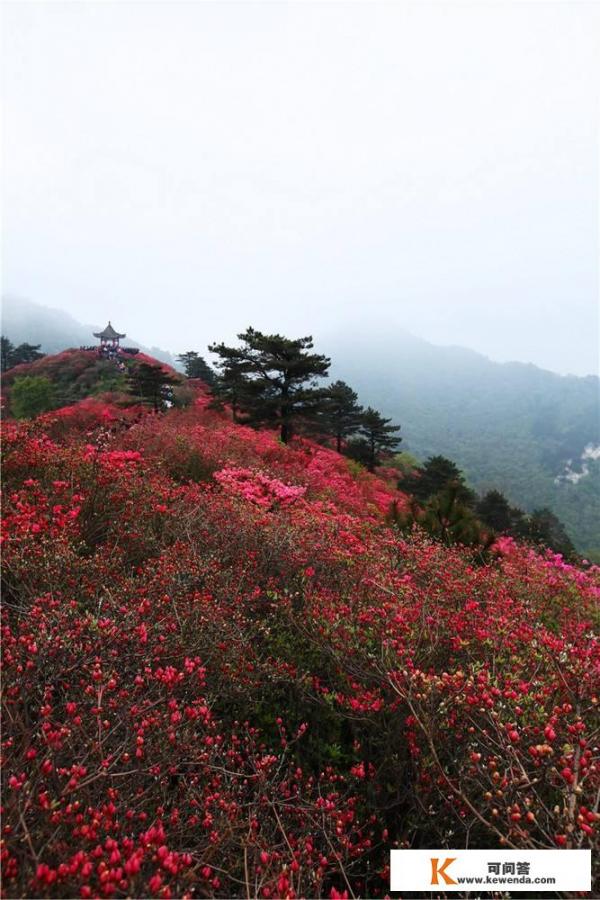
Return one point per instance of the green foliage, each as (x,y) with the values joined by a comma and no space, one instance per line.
(32,395)
(231,388)
(355,467)
(494,510)
(11,356)
(195,366)
(151,384)
(358,451)
(446,508)
(340,413)
(74,375)
(448,518)
(377,437)
(437,474)
(6,348)
(508,426)
(405,462)
(546,528)
(432,477)
(578,507)
(271,379)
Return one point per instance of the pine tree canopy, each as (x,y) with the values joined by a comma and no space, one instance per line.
(195,366)
(378,434)
(271,378)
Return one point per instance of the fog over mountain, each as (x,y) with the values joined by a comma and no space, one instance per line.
(186,169)
(402,181)
(24,321)
(527,431)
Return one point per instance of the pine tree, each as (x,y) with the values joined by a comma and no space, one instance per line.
(341,412)
(232,387)
(377,437)
(449,519)
(494,510)
(545,528)
(271,379)
(6,349)
(195,366)
(519,523)
(151,384)
(15,356)
(26,353)
(435,475)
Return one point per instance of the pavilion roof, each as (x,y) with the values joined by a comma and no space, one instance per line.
(109,333)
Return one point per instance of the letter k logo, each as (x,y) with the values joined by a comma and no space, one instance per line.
(436,870)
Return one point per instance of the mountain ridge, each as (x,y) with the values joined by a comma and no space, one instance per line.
(508,425)
(511,426)
(24,320)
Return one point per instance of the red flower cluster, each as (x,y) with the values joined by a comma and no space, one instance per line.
(225,675)
(258,488)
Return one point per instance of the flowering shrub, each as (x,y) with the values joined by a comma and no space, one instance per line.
(225,675)
(79,379)
(258,487)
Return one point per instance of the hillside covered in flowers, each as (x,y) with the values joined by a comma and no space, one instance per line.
(227,672)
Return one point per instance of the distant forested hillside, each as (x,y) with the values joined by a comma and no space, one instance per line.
(528,432)
(511,426)
(26,321)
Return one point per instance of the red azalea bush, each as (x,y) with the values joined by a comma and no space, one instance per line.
(225,676)
(108,410)
(84,382)
(258,488)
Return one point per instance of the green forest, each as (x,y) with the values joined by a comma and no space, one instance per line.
(508,426)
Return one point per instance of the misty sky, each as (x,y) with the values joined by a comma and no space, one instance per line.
(188,169)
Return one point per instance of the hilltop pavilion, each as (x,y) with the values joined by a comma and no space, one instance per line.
(109,338)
